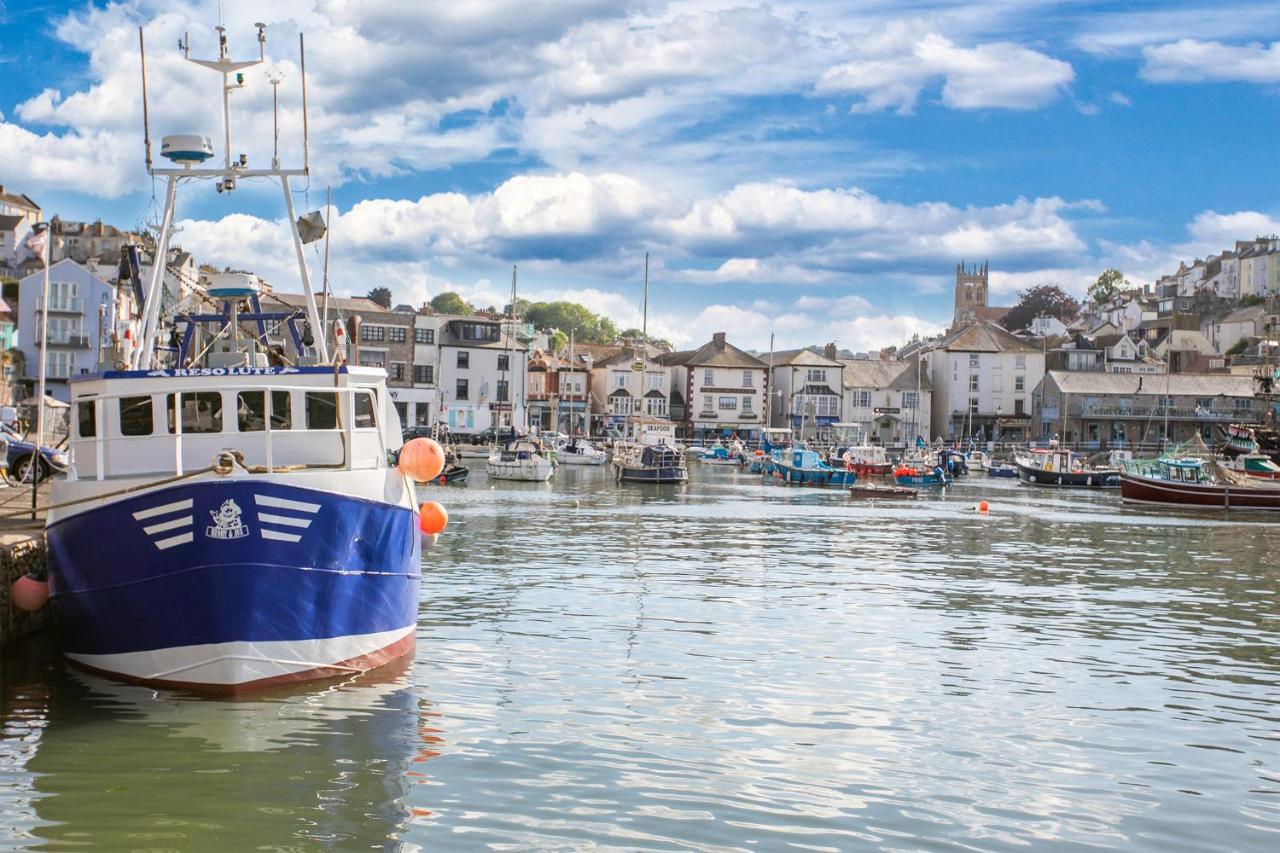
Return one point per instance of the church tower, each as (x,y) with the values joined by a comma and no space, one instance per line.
(971,293)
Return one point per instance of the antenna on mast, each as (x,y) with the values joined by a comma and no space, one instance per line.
(306,145)
(274,76)
(146,120)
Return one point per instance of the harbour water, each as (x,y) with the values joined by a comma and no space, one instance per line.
(728,665)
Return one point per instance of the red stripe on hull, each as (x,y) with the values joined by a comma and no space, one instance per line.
(342,669)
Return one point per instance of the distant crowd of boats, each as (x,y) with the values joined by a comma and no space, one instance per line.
(1242,471)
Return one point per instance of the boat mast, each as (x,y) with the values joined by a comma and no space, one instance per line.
(225,179)
(644,336)
(509,335)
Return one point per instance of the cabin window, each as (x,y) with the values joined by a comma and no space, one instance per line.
(87,416)
(364,415)
(322,410)
(135,416)
(201,412)
(251,411)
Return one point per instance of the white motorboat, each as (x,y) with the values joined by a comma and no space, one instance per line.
(522,459)
(579,451)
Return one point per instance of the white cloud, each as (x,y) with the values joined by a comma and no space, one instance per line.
(998,74)
(1191,61)
(1120,99)
(1212,232)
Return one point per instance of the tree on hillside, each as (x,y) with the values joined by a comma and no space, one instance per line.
(636,333)
(559,340)
(451,303)
(1043,300)
(570,317)
(1107,286)
(381,295)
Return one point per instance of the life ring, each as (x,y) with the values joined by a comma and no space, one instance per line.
(443,480)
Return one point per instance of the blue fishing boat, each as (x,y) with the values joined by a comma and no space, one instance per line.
(231,521)
(1002,469)
(806,468)
(721,455)
(905,475)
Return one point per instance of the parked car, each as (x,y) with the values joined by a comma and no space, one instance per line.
(21,454)
(501,436)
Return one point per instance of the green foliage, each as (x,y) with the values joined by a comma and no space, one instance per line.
(1043,300)
(1250,300)
(570,318)
(559,340)
(1107,286)
(1239,347)
(381,295)
(451,303)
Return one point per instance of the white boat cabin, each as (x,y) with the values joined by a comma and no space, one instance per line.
(142,423)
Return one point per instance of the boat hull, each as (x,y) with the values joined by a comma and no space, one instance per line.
(290,584)
(920,480)
(667,475)
(579,459)
(527,470)
(1149,490)
(813,477)
(1068,479)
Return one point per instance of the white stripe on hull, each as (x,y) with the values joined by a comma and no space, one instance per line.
(235,663)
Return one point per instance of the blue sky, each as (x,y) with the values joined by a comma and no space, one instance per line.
(812,170)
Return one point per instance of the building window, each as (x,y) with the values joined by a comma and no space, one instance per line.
(656,406)
(463,392)
(373,333)
(973,405)
(424,336)
(746,379)
(504,391)
(1018,407)
(973,359)
(397,370)
(504,362)
(653,381)
(728,403)
(816,374)
(708,376)
(973,382)
(619,379)
(464,359)
(1020,361)
(398,334)
(909,399)
(746,405)
(424,374)
(708,403)
(861,399)
(372,358)
(1019,383)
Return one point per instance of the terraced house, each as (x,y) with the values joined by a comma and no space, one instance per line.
(723,390)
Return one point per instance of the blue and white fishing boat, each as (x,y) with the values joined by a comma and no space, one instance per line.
(230,520)
(916,477)
(1006,470)
(721,455)
(803,467)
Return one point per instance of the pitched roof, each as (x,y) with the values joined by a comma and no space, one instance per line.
(19,199)
(721,353)
(1137,384)
(357,305)
(984,337)
(874,373)
(799,356)
(1244,315)
(596,352)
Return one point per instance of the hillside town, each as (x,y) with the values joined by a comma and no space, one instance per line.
(1134,365)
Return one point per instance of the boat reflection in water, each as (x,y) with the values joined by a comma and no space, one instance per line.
(119,766)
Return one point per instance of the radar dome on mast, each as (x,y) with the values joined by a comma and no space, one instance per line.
(188,149)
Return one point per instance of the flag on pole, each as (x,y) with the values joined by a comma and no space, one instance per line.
(34,245)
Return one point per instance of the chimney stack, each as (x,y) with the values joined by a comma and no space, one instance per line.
(718,340)
(830,351)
